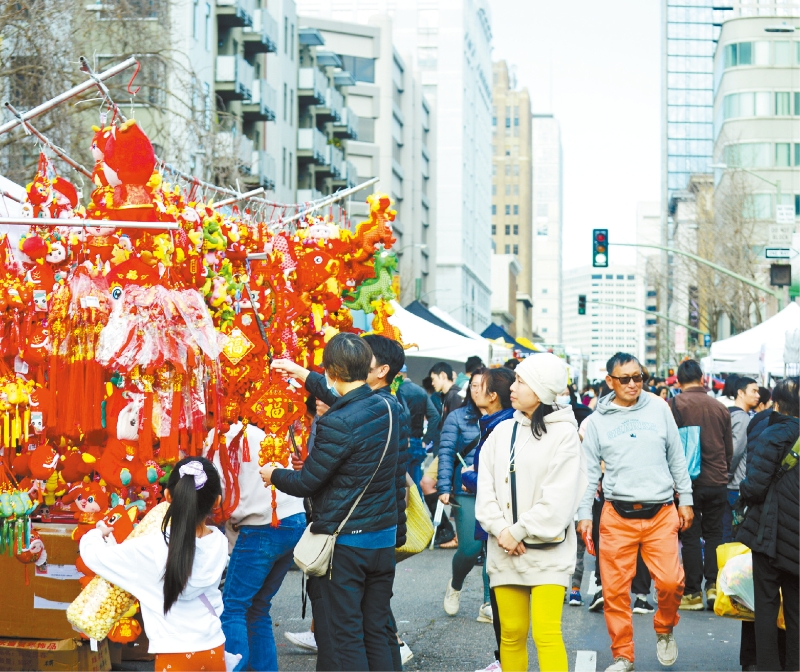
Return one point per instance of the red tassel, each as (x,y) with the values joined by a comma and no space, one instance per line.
(275,522)
(146,435)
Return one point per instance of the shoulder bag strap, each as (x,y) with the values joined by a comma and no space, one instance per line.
(512,470)
(358,499)
(675,412)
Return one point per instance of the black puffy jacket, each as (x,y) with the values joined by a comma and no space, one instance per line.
(348,446)
(781,536)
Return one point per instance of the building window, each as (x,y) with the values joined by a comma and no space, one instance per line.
(494,229)
(208,26)
(783,101)
(516,209)
(747,104)
(508,209)
(494,190)
(362,69)
(508,190)
(597,277)
(291,107)
(494,209)
(291,44)
(783,154)
(631,277)
(749,155)
(797,97)
(291,169)
(544,310)
(516,229)
(283,171)
(508,229)
(508,249)
(797,154)
(508,169)
(195,7)
(516,249)
(783,53)
(516,169)
(285,101)
(285,34)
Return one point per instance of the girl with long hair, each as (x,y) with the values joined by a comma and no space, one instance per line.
(174,574)
(531,478)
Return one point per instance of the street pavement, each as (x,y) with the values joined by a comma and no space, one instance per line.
(441,642)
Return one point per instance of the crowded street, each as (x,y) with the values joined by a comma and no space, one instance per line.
(440,642)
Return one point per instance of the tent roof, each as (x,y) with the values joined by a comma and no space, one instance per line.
(434,341)
(495,331)
(741,352)
(416,308)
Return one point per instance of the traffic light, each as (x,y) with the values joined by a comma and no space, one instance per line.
(581,304)
(600,248)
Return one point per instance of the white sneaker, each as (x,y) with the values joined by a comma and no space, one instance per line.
(666,649)
(304,640)
(485,614)
(620,664)
(406,653)
(494,667)
(452,599)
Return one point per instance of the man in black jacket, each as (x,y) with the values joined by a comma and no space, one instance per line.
(420,407)
(350,456)
(772,529)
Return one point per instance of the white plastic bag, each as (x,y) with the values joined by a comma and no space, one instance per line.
(736,580)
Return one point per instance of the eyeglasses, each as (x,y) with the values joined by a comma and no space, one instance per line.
(625,380)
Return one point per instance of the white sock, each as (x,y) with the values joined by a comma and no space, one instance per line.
(641,597)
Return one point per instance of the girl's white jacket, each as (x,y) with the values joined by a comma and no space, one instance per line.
(551,479)
(137,566)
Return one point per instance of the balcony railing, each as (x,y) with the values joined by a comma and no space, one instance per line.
(313,143)
(236,146)
(334,101)
(235,13)
(312,82)
(347,126)
(234,77)
(263,169)
(351,174)
(336,161)
(262,36)
(263,104)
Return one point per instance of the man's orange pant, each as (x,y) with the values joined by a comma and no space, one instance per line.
(620,540)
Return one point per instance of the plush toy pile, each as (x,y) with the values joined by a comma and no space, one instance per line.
(122,347)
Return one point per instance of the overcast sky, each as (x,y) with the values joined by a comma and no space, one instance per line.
(604,57)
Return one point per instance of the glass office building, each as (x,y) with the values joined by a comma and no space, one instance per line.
(692,27)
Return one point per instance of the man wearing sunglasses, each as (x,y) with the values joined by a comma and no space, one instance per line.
(636,437)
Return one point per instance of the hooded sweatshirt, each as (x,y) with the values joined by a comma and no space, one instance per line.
(642,451)
(551,477)
(137,566)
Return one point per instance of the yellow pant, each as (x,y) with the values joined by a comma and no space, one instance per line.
(545,603)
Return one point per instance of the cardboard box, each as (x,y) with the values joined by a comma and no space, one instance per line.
(38,610)
(44,654)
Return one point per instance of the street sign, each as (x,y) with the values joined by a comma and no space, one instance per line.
(780,235)
(777,253)
(784,214)
(680,339)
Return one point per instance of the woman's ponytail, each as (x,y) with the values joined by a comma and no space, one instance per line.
(194,486)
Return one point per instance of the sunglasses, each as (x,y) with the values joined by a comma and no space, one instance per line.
(624,380)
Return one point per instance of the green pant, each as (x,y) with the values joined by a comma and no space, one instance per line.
(469,548)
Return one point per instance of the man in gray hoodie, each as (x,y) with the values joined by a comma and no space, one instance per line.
(636,437)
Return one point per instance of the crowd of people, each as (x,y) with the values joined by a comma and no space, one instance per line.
(535,476)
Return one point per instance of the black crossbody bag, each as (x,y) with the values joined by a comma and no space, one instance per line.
(638,510)
(512,470)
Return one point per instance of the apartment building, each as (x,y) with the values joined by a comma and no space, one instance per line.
(385,130)
(449,42)
(506,271)
(607,327)
(512,182)
(547,228)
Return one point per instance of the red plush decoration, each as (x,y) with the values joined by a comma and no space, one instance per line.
(89,501)
(129,161)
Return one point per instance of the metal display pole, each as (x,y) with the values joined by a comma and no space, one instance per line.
(87,223)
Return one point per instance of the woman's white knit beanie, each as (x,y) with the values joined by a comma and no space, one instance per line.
(545,374)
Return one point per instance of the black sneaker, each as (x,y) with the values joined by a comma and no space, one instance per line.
(480,560)
(642,607)
(444,535)
(597,601)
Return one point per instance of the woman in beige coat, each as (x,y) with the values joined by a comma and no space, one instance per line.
(532,476)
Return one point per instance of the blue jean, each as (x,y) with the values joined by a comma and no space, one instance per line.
(416,456)
(259,562)
(727,517)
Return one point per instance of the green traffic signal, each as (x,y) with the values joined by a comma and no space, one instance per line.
(581,304)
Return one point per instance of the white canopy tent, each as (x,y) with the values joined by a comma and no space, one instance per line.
(743,353)
(500,352)
(435,342)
